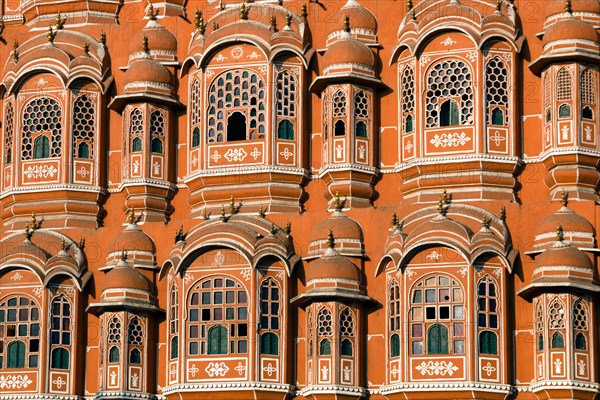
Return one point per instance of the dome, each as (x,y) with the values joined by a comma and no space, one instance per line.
(147,69)
(570,28)
(564,256)
(568,219)
(348,50)
(360,16)
(341,226)
(123,276)
(132,239)
(159,37)
(333,266)
(443,226)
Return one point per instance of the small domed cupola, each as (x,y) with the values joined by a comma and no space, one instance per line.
(364,23)
(577,229)
(162,44)
(139,245)
(561,266)
(348,234)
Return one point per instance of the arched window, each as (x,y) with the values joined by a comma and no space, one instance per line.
(408,98)
(437,339)
(496,91)
(285,130)
(174,321)
(587,87)
(114,355)
(236,127)
(580,342)
(135,356)
(84,127)
(310,331)
(548,115)
(224,94)
(136,129)
(437,309)
(269,344)
(395,345)
(360,129)
(449,80)
(564,111)
(346,330)
(580,324)
(136,145)
(9,123)
(217,340)
(339,104)
(41,147)
(325,347)
(221,303)
(587,113)
(195,105)
(539,326)
(19,333)
(42,114)
(340,128)
(449,114)
(564,85)
(196,137)
(157,131)
(16,355)
(324,331)
(59,358)
(488,343)
(558,341)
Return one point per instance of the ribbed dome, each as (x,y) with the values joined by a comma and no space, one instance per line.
(558,6)
(340,225)
(568,219)
(348,50)
(360,16)
(123,276)
(333,266)
(159,37)
(147,69)
(443,226)
(132,239)
(564,256)
(570,28)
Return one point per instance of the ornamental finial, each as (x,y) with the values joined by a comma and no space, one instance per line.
(145,47)
(28,231)
(503,214)
(124,255)
(50,35)
(131,216)
(274,24)
(304,11)
(103,38)
(346,23)
(395,219)
(288,20)
(288,228)
(151,12)
(486,222)
(223,216)
(559,233)
(568,6)
(59,22)
(231,205)
(63,245)
(244,12)
(34,223)
(81,243)
(330,240)
(338,202)
(16,51)
(409,5)
(261,212)
(564,198)
(86,48)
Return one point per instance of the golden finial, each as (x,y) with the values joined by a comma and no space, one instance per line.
(413,15)
(395,219)
(131,216)
(103,38)
(199,22)
(330,240)
(243,12)
(86,48)
(279,2)
(288,20)
(215,26)
(63,245)
(304,11)
(151,12)
(34,223)
(124,255)
(486,222)
(564,198)
(337,203)
(145,48)
(409,5)
(28,231)
(261,212)
(59,22)
(445,197)
(568,7)
(81,243)
(499,6)
(503,214)
(16,51)
(179,235)
(559,233)
(231,205)
(204,214)
(274,24)
(346,23)
(288,228)
(50,35)
(273,229)
(223,217)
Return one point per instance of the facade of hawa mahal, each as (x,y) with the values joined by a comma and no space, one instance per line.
(287,200)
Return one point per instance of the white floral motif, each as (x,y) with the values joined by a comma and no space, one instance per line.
(263,69)
(253,56)
(338,151)
(255,153)
(247,274)
(14,381)
(361,151)
(220,58)
(286,154)
(194,370)
(16,277)
(565,132)
(83,171)
(113,378)
(558,366)
(394,372)
(237,52)
(269,369)
(216,156)
(324,373)
(43,171)
(240,368)
(463,271)
(187,278)
(156,168)
(136,167)
(347,373)
(424,60)
(135,379)
(472,55)
(450,139)
(216,369)
(410,273)
(209,73)
(219,259)
(235,155)
(540,369)
(38,292)
(442,368)
(489,369)
(497,138)
(195,160)
(588,133)
(409,146)
(434,255)
(547,135)
(497,272)
(581,367)
(448,42)
(59,382)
